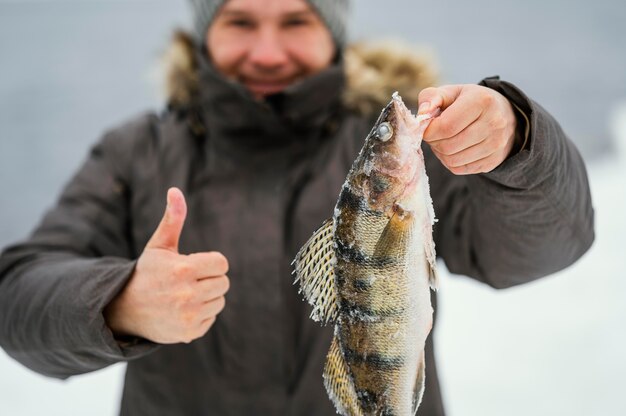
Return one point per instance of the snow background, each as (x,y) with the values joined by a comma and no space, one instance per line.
(70,69)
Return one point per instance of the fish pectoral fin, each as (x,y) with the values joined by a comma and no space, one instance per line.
(394,239)
(420,384)
(315,271)
(339,383)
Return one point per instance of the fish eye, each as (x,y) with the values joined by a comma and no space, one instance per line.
(384,132)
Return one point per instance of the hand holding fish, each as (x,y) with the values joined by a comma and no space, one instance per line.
(170,297)
(475,132)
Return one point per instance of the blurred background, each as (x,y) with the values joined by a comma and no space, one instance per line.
(71,69)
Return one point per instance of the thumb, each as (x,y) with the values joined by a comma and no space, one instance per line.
(440,97)
(168,232)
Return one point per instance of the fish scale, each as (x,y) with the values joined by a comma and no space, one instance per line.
(369,269)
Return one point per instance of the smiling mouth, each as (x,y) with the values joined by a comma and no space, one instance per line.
(266,87)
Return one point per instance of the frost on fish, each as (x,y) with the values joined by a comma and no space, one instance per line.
(368,271)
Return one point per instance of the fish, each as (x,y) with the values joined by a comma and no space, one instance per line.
(370,268)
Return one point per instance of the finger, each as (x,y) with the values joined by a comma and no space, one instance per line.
(479,166)
(437,97)
(168,232)
(212,308)
(207,324)
(208,264)
(209,321)
(213,287)
(466,156)
(473,134)
(457,117)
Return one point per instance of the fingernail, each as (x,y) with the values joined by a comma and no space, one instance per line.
(423,108)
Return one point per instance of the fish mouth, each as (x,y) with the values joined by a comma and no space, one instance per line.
(402,113)
(408,123)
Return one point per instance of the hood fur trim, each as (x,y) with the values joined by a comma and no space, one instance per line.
(181,70)
(373,72)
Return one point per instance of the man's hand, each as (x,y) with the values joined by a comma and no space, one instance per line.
(170,297)
(476,130)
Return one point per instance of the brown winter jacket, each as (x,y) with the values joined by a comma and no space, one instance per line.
(259,179)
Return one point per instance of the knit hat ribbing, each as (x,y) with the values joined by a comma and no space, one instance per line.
(334,13)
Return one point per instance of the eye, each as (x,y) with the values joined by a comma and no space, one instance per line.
(384,132)
(296,22)
(298,19)
(240,23)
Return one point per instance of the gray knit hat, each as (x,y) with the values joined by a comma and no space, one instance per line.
(333,12)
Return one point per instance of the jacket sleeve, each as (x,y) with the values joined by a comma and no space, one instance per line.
(529,217)
(55,285)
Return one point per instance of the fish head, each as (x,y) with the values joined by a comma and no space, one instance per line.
(392,160)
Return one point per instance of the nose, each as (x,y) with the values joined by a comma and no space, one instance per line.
(268,51)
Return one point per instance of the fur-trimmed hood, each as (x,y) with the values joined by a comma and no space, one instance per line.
(373,72)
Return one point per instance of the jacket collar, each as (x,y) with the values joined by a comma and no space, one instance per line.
(232,113)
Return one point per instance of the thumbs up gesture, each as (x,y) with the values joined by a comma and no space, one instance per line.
(170,297)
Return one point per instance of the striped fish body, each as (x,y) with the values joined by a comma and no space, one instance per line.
(385,312)
(369,271)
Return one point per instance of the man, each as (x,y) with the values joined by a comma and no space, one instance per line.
(261,130)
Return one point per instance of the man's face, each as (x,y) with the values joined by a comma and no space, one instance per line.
(268,45)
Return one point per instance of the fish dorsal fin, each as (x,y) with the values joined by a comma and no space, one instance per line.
(315,271)
(338,382)
(420,383)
